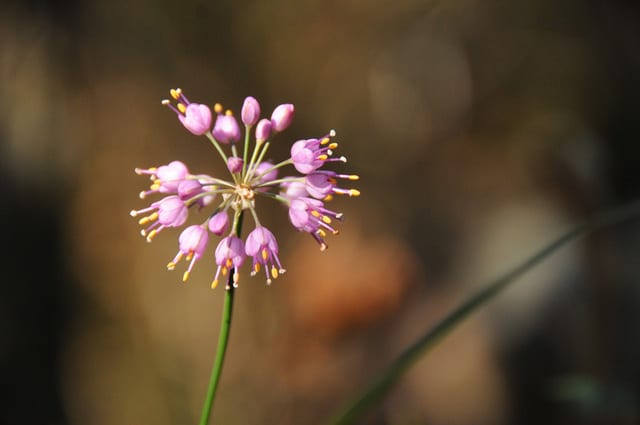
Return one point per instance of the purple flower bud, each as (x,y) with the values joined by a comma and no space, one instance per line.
(234,164)
(218,223)
(226,129)
(196,118)
(263,130)
(250,111)
(264,166)
(282,117)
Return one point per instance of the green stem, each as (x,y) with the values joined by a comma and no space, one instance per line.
(223,339)
(385,381)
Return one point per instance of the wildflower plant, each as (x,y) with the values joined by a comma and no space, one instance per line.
(250,180)
(249,177)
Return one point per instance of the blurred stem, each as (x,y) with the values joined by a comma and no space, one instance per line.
(223,339)
(389,377)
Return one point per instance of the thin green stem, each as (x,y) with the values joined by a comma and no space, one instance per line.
(247,132)
(223,339)
(393,373)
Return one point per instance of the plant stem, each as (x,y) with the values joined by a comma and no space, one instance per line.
(223,339)
(387,379)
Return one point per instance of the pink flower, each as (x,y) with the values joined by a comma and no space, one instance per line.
(262,246)
(194,116)
(193,241)
(229,253)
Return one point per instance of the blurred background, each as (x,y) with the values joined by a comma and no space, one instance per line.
(480,129)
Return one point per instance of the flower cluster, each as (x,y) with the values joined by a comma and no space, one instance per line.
(251,176)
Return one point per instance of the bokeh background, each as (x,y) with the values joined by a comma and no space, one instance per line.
(481,130)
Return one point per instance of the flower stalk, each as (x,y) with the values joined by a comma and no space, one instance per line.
(223,340)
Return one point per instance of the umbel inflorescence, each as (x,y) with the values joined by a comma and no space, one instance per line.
(251,179)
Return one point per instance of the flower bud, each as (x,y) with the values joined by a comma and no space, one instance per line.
(282,117)
(226,129)
(250,111)
(263,130)
(234,164)
(218,223)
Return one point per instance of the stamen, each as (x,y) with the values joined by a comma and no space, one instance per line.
(175,93)
(236,279)
(152,234)
(171,265)
(190,256)
(214,284)
(228,113)
(265,254)
(148,219)
(217,108)
(332,133)
(326,219)
(322,157)
(333,145)
(328,198)
(274,272)
(185,276)
(324,141)
(354,192)
(182,108)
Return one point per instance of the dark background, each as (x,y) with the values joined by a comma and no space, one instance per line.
(481,130)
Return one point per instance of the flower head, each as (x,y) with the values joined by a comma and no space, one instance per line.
(251,177)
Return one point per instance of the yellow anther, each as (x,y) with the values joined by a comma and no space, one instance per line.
(326,219)
(321,233)
(328,198)
(354,192)
(257,267)
(175,93)
(152,234)
(185,276)
(217,108)
(332,181)
(224,271)
(229,263)
(182,108)
(322,157)
(325,141)
(265,254)
(171,265)
(333,145)
(189,256)
(354,177)
(214,284)
(154,186)
(274,272)
(315,213)
(228,113)
(148,219)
